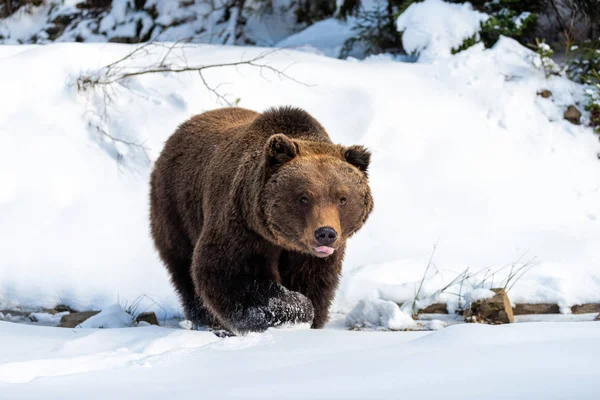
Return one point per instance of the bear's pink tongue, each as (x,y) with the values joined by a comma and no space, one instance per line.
(325,249)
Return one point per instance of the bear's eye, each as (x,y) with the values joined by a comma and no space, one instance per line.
(303,200)
(343,201)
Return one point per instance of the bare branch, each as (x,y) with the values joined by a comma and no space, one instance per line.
(110,74)
(172,61)
(214,90)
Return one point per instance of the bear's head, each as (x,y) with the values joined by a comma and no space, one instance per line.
(316,195)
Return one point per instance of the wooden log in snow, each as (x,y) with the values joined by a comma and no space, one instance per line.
(437,308)
(589,308)
(529,309)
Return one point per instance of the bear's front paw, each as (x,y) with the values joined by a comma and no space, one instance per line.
(282,308)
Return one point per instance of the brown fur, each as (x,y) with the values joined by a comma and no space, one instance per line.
(236,198)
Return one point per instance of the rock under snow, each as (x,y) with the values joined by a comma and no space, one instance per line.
(573,115)
(492,310)
(74,319)
(148,317)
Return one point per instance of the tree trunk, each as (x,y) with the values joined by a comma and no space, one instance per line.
(9,10)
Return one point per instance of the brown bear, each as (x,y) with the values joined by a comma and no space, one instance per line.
(250,213)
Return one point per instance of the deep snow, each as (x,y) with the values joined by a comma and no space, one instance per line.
(522,361)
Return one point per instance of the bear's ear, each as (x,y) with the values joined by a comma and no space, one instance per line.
(358,156)
(279,150)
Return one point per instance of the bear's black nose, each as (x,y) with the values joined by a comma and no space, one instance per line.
(326,235)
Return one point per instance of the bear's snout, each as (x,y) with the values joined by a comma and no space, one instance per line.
(326,235)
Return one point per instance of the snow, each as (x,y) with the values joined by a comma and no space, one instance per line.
(433,28)
(377,313)
(325,37)
(478,294)
(466,362)
(519,19)
(44,318)
(24,23)
(556,317)
(111,317)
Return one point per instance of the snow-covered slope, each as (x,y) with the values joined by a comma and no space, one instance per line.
(465,156)
(523,361)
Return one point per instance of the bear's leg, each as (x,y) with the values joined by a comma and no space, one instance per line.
(194,309)
(242,300)
(316,278)
(175,250)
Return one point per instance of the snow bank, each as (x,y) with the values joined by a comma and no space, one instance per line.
(465,155)
(433,28)
(379,314)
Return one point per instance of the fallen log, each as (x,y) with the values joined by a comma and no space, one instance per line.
(586,308)
(437,308)
(542,308)
(525,309)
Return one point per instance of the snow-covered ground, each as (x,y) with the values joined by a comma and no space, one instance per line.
(522,361)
